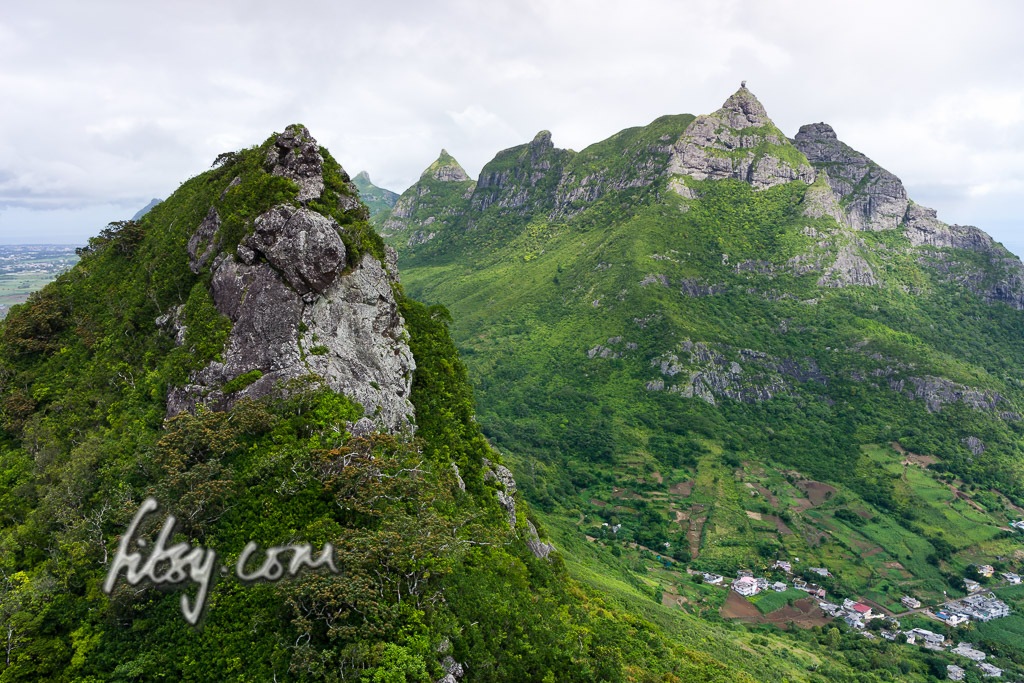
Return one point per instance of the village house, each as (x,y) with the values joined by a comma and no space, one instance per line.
(783,565)
(745,586)
(745,574)
(853,621)
(1011,578)
(862,611)
(712,579)
(762,583)
(821,571)
(778,586)
(957,619)
(928,638)
(909,602)
(967,650)
(980,607)
(989,671)
(954,672)
(985,570)
(830,609)
(972,586)
(799,584)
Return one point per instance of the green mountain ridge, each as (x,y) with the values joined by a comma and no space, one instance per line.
(145,371)
(694,327)
(377,199)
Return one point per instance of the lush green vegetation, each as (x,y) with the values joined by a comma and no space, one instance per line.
(85,368)
(578,328)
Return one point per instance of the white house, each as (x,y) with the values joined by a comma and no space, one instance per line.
(954,672)
(967,650)
(778,586)
(972,585)
(957,619)
(909,602)
(989,671)
(713,579)
(1011,578)
(745,586)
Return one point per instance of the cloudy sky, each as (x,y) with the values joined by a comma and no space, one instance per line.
(108,104)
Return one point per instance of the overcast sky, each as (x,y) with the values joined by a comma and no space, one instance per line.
(108,104)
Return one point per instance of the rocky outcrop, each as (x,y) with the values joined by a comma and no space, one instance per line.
(296,156)
(923,228)
(874,199)
(506,494)
(435,201)
(738,141)
(204,244)
(506,499)
(296,312)
(849,268)
(522,179)
(746,375)
(975,445)
(820,201)
(939,391)
(302,245)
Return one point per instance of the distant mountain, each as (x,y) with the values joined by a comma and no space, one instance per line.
(737,345)
(377,199)
(244,355)
(146,209)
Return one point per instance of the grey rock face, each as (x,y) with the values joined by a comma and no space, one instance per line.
(821,201)
(296,156)
(975,445)
(203,243)
(539,548)
(708,374)
(713,147)
(519,180)
(502,474)
(302,244)
(875,199)
(849,268)
(449,172)
(294,315)
(939,391)
(506,499)
(923,228)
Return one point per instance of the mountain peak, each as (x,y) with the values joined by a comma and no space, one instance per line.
(446,169)
(362,176)
(738,141)
(542,139)
(744,110)
(816,131)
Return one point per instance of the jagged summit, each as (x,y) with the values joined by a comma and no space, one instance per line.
(738,141)
(743,110)
(301,292)
(875,199)
(296,156)
(446,169)
(377,199)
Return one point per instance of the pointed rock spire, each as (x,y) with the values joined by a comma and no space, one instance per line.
(874,198)
(446,169)
(738,141)
(743,110)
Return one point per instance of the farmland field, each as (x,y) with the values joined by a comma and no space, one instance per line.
(26,268)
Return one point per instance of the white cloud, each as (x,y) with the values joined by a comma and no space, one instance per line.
(110,103)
